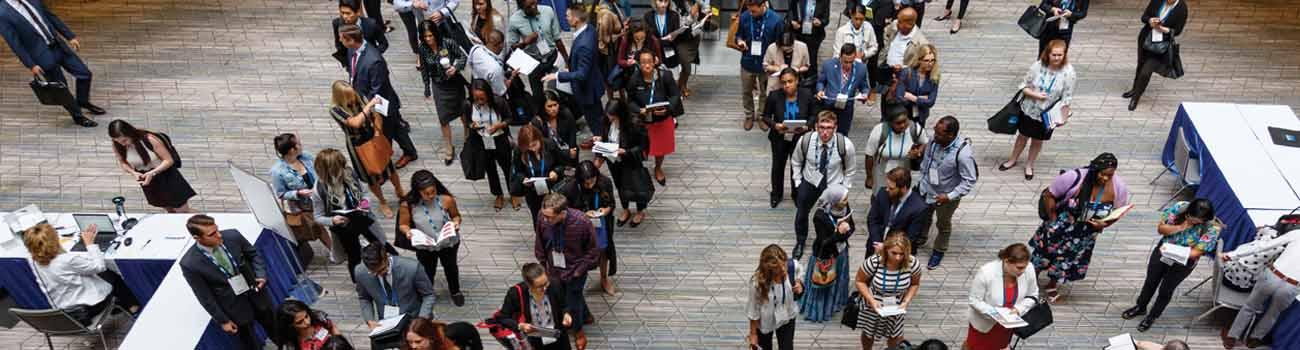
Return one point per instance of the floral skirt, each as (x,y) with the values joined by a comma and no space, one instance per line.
(1063,249)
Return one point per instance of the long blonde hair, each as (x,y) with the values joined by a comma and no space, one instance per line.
(43,243)
(344,96)
(896,239)
(915,57)
(332,168)
(771,266)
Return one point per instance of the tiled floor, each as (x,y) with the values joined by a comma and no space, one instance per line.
(223,77)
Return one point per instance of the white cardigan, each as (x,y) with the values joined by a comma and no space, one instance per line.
(986,293)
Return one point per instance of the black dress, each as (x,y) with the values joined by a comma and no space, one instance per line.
(168,188)
(630,175)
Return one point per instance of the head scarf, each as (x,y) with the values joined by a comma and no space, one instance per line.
(833,194)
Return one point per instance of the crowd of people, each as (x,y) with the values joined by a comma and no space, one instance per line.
(624,79)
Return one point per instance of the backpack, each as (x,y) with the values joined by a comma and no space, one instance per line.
(167,141)
(839,148)
(915,130)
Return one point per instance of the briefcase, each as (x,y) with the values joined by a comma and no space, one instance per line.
(51,93)
(392,338)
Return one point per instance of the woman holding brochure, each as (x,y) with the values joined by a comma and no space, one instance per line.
(1188,230)
(426,211)
(340,203)
(625,162)
(593,194)
(788,114)
(1047,90)
(534,163)
(1080,204)
(488,119)
(887,282)
(536,303)
(1002,289)
(657,101)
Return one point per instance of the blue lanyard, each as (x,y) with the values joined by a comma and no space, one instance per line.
(390,295)
(1067,4)
(229,258)
(762,29)
(491,115)
(852,76)
(889,144)
(653,82)
(659,20)
(1042,78)
(430,216)
(1162,14)
(537,171)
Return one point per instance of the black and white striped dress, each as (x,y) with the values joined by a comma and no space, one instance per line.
(885,284)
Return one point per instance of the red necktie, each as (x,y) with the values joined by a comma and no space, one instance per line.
(355,55)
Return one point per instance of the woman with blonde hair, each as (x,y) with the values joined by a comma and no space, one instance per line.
(773,293)
(78,283)
(918,84)
(338,190)
(887,280)
(370,151)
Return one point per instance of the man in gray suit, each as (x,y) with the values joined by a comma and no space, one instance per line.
(229,280)
(391,284)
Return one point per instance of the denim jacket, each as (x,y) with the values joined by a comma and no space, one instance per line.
(286,181)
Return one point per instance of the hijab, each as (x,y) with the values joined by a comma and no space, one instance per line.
(834,194)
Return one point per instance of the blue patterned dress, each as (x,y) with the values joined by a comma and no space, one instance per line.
(1063,246)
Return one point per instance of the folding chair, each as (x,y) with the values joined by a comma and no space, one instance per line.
(56,322)
(1223,297)
(1186,165)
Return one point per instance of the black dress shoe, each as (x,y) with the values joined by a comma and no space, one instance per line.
(1004,166)
(798,251)
(1133,103)
(622,222)
(458,299)
(1145,324)
(1128,94)
(1133,312)
(93,109)
(774,202)
(85,122)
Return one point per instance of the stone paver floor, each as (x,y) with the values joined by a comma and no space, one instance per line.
(223,77)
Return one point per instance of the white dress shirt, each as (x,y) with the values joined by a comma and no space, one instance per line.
(22,9)
(483,64)
(70,279)
(805,164)
(898,48)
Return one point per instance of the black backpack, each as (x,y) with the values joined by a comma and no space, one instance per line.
(167,141)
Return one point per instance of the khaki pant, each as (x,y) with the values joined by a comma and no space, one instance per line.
(943,221)
(749,84)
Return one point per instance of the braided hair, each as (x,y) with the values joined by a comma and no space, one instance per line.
(1095,167)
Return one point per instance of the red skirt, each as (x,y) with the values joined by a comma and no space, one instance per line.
(663,137)
(996,339)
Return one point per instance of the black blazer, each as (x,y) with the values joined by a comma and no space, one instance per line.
(914,217)
(372,77)
(629,172)
(1175,21)
(370,31)
(672,21)
(520,170)
(774,110)
(511,309)
(797,15)
(827,238)
(214,292)
(565,135)
(665,89)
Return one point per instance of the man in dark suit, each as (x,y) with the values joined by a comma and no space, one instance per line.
(350,13)
(368,73)
(586,80)
(896,208)
(229,279)
(396,284)
(808,19)
(842,82)
(46,46)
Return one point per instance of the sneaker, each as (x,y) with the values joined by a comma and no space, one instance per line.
(936,257)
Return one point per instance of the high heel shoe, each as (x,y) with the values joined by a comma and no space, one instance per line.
(945,16)
(636,220)
(500,203)
(451,156)
(1029,174)
(1133,102)
(623,220)
(1004,166)
(514,203)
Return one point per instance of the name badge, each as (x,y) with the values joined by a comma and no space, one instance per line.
(1157,36)
(807,27)
(669,52)
(841,100)
(543,47)
(934,175)
(391,311)
(892,301)
(238,284)
(321,334)
(597,222)
(489,143)
(557,259)
(755,48)
(789,135)
(870,13)
(1065,24)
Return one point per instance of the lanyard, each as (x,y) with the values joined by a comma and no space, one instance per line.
(490,115)
(853,74)
(1067,4)
(430,216)
(858,38)
(538,170)
(1165,10)
(659,21)
(654,81)
(934,147)
(889,144)
(782,293)
(229,258)
(390,295)
(1043,77)
(762,29)
(557,235)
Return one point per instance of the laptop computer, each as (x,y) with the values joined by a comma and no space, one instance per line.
(105,231)
(1284,137)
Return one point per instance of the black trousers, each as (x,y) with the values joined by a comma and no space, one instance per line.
(351,240)
(501,157)
(784,337)
(804,201)
(781,150)
(920,12)
(262,315)
(447,256)
(65,58)
(534,202)
(397,129)
(412,30)
(1147,65)
(374,11)
(1161,280)
(961,12)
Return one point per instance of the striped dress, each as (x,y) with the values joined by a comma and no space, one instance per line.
(885,284)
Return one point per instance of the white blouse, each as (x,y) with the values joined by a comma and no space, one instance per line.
(133,158)
(71,278)
(485,116)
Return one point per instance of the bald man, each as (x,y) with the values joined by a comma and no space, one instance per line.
(901,39)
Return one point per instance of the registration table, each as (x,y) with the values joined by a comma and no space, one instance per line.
(172,317)
(1250,180)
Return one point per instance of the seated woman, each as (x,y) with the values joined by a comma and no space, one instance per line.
(533,303)
(78,283)
(426,334)
(301,328)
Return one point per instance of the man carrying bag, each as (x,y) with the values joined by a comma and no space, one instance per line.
(46,46)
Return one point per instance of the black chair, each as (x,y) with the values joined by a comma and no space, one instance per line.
(56,322)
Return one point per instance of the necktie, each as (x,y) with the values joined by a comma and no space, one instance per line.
(388,290)
(222,261)
(40,23)
(824,160)
(355,55)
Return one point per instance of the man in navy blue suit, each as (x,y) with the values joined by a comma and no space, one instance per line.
(842,82)
(46,46)
(368,73)
(587,81)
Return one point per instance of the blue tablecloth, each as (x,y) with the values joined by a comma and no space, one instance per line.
(17,277)
(1239,226)
(1286,332)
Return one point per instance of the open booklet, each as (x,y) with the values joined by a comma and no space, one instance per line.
(419,239)
(1117,213)
(891,310)
(543,332)
(1121,342)
(1008,318)
(387,324)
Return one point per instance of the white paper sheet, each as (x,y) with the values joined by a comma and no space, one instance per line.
(522,62)
(387,324)
(382,106)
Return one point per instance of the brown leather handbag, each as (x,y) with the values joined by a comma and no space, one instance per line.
(301,223)
(377,151)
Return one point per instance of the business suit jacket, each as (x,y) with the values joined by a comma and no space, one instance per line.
(371,32)
(672,21)
(213,291)
(1176,20)
(588,82)
(371,78)
(665,89)
(25,41)
(774,110)
(511,309)
(986,294)
(414,290)
(799,57)
(1078,8)
(798,14)
(913,217)
(918,40)
(926,91)
(831,81)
